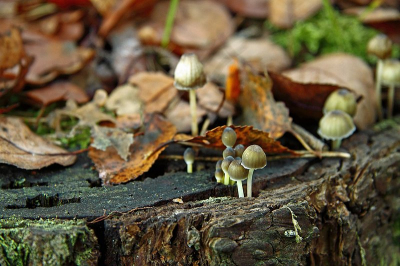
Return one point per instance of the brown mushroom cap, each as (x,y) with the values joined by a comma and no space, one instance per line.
(239,149)
(218,164)
(380,46)
(341,99)
(189,73)
(237,172)
(391,72)
(336,125)
(228,137)
(226,162)
(229,151)
(254,157)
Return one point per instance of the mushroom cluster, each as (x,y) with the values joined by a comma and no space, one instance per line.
(239,163)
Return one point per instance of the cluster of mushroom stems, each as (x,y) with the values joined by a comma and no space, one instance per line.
(387,72)
(238,162)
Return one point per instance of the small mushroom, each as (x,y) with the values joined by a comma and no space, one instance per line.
(381,47)
(229,137)
(229,151)
(341,99)
(336,125)
(253,158)
(219,175)
(189,75)
(188,156)
(391,78)
(225,165)
(238,173)
(239,149)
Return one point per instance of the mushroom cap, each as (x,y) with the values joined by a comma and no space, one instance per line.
(237,172)
(336,125)
(341,99)
(229,151)
(239,149)
(254,157)
(380,46)
(219,175)
(189,73)
(391,72)
(218,164)
(189,156)
(226,162)
(229,137)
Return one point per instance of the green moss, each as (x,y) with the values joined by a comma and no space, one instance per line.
(326,32)
(27,242)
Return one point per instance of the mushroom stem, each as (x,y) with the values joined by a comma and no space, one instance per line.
(390,101)
(250,183)
(226,179)
(378,85)
(240,188)
(336,144)
(192,99)
(190,168)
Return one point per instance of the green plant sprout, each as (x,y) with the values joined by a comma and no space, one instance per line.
(173,6)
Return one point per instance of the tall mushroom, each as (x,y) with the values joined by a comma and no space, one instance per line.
(336,125)
(189,76)
(253,158)
(189,156)
(238,173)
(381,47)
(391,78)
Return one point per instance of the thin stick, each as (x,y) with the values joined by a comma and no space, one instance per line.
(313,141)
(390,101)
(204,127)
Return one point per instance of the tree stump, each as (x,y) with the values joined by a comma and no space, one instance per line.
(305,211)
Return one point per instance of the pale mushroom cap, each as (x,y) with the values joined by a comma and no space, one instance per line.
(341,99)
(336,125)
(254,157)
(229,137)
(239,149)
(229,151)
(380,46)
(236,171)
(218,164)
(391,72)
(219,175)
(189,73)
(226,162)
(189,155)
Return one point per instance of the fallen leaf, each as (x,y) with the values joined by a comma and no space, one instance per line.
(284,13)
(57,91)
(199,26)
(11,48)
(22,148)
(248,8)
(151,84)
(260,108)
(341,70)
(211,99)
(113,170)
(260,54)
(246,135)
(124,100)
(179,115)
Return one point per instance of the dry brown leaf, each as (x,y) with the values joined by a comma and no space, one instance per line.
(260,108)
(11,48)
(179,115)
(199,26)
(284,13)
(21,147)
(212,99)
(246,135)
(342,70)
(248,8)
(151,84)
(259,53)
(113,170)
(124,100)
(57,91)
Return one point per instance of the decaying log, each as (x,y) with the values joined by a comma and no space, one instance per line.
(345,209)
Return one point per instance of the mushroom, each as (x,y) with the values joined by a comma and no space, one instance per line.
(238,173)
(188,156)
(336,125)
(391,78)
(219,175)
(253,158)
(239,149)
(381,47)
(341,99)
(189,76)
(229,137)
(229,151)
(225,165)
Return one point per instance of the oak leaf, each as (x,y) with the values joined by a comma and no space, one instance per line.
(114,170)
